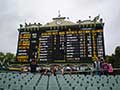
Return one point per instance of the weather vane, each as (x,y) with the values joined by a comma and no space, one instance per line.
(59,13)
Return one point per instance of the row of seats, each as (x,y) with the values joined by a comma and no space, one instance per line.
(37,81)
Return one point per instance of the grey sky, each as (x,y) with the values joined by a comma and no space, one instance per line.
(14,12)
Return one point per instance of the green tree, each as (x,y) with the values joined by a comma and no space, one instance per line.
(117,51)
(116,57)
(9,57)
(5,59)
(2,56)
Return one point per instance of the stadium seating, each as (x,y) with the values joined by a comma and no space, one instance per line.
(30,81)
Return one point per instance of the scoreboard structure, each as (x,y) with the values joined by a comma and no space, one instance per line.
(61,41)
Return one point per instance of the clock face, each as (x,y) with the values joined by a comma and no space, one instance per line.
(58,22)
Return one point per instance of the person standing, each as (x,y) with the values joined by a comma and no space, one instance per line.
(33,66)
(105,68)
(98,66)
(110,70)
(62,70)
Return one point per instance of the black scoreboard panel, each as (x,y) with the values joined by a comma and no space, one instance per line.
(67,44)
(33,51)
(46,48)
(23,46)
(70,45)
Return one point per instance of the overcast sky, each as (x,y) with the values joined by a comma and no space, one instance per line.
(15,12)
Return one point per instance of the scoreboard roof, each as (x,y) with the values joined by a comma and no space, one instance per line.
(62,21)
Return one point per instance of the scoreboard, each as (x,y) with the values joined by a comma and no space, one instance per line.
(61,43)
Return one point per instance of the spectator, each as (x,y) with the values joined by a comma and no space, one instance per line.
(105,68)
(62,70)
(33,66)
(102,61)
(45,71)
(110,70)
(98,66)
(53,70)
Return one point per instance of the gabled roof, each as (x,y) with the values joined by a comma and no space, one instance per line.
(59,21)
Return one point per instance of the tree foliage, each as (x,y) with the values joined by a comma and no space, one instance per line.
(5,58)
(2,56)
(10,57)
(114,59)
(117,52)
